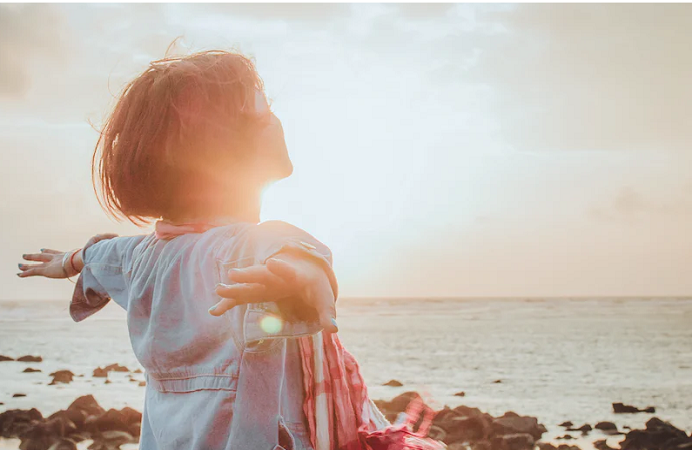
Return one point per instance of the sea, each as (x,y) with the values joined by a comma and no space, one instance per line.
(558,359)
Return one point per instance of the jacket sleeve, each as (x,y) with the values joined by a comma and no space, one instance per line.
(287,318)
(106,264)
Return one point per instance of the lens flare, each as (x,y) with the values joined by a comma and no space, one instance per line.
(271,324)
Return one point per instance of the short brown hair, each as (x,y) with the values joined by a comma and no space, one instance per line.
(171,127)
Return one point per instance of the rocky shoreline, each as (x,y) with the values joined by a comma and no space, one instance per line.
(461,428)
(467,428)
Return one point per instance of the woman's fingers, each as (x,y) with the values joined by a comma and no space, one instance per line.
(235,295)
(246,292)
(282,269)
(254,274)
(33,272)
(43,257)
(25,267)
(326,310)
(223,306)
(50,250)
(238,294)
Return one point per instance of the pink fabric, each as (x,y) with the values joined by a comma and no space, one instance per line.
(168,230)
(352,423)
(345,390)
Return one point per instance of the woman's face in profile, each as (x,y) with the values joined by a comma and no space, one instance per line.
(271,155)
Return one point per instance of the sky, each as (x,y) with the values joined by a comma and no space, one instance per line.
(439,150)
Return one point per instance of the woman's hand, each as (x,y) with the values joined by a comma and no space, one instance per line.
(50,265)
(51,261)
(283,277)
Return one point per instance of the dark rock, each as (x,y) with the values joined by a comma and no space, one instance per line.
(482,445)
(72,421)
(75,416)
(567,447)
(100,373)
(566,436)
(393,383)
(462,446)
(36,443)
(460,394)
(48,443)
(49,430)
(30,370)
(606,426)
(79,437)
(466,429)
(61,376)
(437,433)
(584,428)
(131,415)
(64,444)
(567,424)
(5,358)
(463,424)
(14,422)
(469,412)
(601,444)
(657,435)
(111,420)
(497,381)
(137,371)
(107,381)
(87,404)
(30,358)
(619,408)
(116,368)
(18,395)
(443,415)
(142,383)
(545,446)
(514,424)
(135,429)
(111,440)
(520,441)
(399,403)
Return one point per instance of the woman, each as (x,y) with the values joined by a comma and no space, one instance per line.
(226,314)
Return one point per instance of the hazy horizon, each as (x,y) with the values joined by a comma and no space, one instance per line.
(448,150)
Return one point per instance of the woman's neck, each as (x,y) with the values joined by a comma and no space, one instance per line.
(241,208)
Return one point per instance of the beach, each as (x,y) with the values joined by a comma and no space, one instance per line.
(555,359)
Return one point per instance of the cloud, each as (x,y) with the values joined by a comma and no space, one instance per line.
(631,206)
(424,10)
(295,12)
(28,32)
(588,76)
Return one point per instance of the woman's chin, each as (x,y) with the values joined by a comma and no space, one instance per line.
(288,171)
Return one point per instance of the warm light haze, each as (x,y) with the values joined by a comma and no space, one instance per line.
(439,150)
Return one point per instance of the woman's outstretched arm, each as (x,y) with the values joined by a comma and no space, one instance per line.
(57,264)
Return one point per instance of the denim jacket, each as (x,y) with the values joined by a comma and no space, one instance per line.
(232,382)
